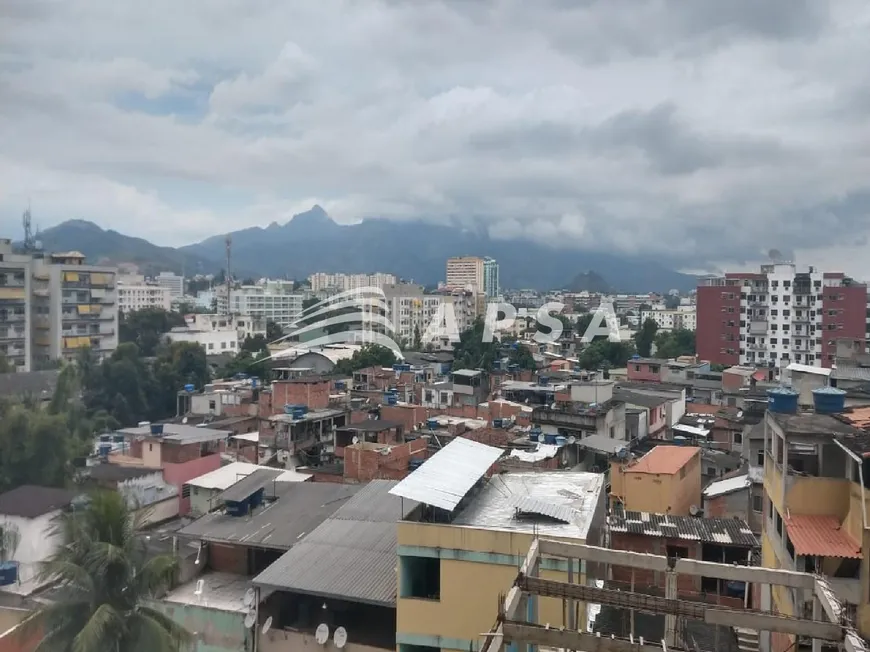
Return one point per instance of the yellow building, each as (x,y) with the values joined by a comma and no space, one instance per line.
(667,480)
(816,475)
(457,559)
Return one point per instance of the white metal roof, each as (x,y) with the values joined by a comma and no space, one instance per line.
(225,476)
(726,486)
(808,369)
(447,476)
(292,475)
(248,436)
(692,430)
(541,453)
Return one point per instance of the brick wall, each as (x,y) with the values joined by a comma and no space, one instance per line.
(314,394)
(408,415)
(363,464)
(179,474)
(228,559)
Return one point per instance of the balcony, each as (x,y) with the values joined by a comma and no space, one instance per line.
(801,320)
(758,327)
(755,346)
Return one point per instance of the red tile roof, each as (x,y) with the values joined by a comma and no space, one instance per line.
(821,536)
(666,460)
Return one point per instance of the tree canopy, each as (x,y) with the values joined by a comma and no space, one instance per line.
(645,337)
(106,584)
(471,352)
(371,355)
(672,344)
(146,328)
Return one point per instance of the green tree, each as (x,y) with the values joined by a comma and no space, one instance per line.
(254,344)
(602,353)
(645,337)
(5,367)
(471,352)
(274,331)
(146,328)
(35,447)
(675,343)
(106,585)
(522,357)
(371,355)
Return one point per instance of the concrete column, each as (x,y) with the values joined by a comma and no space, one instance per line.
(631,631)
(817,615)
(670,619)
(766,605)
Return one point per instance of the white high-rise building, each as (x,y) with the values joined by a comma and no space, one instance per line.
(410,310)
(173,282)
(16,308)
(267,300)
(136,293)
(322,281)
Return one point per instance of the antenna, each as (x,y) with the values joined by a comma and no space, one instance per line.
(340,637)
(29,240)
(229,243)
(267,625)
(322,633)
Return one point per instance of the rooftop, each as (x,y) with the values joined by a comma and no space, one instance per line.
(727,486)
(220,591)
(300,508)
(527,502)
(649,388)
(643,400)
(722,531)
(372,425)
(117,472)
(467,373)
(249,485)
(849,428)
(351,555)
(665,460)
(808,369)
(31,501)
(447,477)
(603,444)
(311,415)
(178,433)
(225,476)
(820,536)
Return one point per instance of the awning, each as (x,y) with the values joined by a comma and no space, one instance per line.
(821,536)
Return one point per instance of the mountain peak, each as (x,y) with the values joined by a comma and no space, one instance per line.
(313,222)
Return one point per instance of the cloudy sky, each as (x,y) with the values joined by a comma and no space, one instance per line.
(707,131)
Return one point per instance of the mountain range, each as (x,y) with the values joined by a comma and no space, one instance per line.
(312,242)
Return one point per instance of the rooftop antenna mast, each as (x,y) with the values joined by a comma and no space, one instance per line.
(29,239)
(229,243)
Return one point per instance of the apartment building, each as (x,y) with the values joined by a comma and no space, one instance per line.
(465,271)
(684,317)
(815,504)
(173,282)
(137,293)
(16,319)
(322,281)
(267,300)
(75,306)
(778,316)
(410,310)
(218,334)
(490,278)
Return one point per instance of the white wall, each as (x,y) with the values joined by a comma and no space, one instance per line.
(37,543)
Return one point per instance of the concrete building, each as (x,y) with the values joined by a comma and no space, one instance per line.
(464,272)
(136,293)
(684,317)
(265,301)
(172,282)
(410,310)
(740,495)
(778,316)
(815,498)
(667,480)
(76,305)
(205,489)
(460,550)
(491,286)
(31,510)
(583,409)
(323,281)
(217,333)
(16,308)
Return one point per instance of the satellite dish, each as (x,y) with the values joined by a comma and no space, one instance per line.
(250,620)
(572,439)
(267,625)
(355,440)
(322,633)
(340,637)
(693,510)
(249,597)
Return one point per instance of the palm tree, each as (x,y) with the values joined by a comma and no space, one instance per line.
(106,583)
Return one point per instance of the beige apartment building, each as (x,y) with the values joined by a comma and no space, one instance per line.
(464,271)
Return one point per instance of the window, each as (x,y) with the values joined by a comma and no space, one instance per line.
(711,470)
(150,447)
(738,437)
(420,577)
(756,504)
(678,552)
(760,457)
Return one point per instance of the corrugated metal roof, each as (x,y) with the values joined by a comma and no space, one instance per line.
(447,476)
(726,486)
(529,505)
(821,536)
(249,485)
(225,476)
(603,444)
(300,508)
(724,531)
(809,369)
(351,555)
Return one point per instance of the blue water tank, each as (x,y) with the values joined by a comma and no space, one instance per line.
(105,449)
(391,398)
(783,400)
(157,429)
(414,464)
(339,384)
(105,438)
(543,380)
(432,424)
(534,435)
(190,387)
(829,400)
(8,573)
(550,439)
(299,411)
(254,382)
(561,441)
(496,423)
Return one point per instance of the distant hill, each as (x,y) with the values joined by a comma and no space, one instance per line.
(312,242)
(590,282)
(111,247)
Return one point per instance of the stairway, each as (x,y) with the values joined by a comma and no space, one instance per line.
(747,639)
